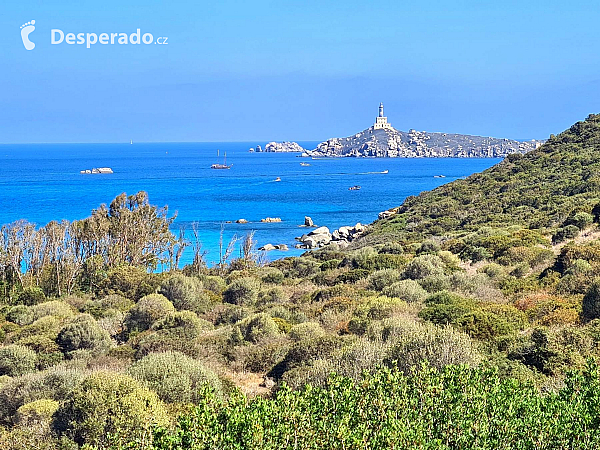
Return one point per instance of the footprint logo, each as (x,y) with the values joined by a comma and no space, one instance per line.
(26,30)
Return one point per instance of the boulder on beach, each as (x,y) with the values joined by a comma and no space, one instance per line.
(320,230)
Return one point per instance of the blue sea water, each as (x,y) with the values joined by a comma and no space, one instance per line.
(41,182)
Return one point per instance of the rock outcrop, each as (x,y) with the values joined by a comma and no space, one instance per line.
(281,147)
(321,236)
(271,219)
(393,143)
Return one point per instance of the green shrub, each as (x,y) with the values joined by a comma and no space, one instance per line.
(213,283)
(392,248)
(108,406)
(273,276)
(243,291)
(562,234)
(330,264)
(352,276)
(424,266)
(272,295)
(21,315)
(407,290)
(306,330)
(118,302)
(591,301)
(382,278)
(16,360)
(255,328)
(53,384)
(31,296)
(130,282)
(83,333)
(149,309)
(444,308)
(437,346)
(186,293)
(175,377)
(187,323)
(428,247)
(37,411)
(581,220)
(56,308)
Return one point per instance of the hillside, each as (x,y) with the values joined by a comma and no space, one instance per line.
(541,190)
(469,318)
(393,143)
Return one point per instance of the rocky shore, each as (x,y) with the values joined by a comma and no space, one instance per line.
(322,236)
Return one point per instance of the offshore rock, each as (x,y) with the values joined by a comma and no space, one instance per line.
(281,147)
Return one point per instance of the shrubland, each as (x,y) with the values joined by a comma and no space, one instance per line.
(469,319)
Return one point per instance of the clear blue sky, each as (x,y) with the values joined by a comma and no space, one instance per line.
(298,70)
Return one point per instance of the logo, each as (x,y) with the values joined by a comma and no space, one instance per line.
(26,30)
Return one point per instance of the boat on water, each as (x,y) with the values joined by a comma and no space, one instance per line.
(386,171)
(439,176)
(277,179)
(354,188)
(221,166)
(130,141)
(304,164)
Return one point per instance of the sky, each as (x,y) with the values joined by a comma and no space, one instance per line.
(297,70)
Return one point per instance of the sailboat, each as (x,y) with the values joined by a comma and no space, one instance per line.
(130,141)
(221,166)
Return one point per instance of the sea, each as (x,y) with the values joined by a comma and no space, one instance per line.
(42,182)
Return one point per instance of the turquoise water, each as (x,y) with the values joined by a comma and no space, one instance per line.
(42,183)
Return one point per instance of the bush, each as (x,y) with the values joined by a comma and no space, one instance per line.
(20,314)
(212,283)
(243,291)
(53,384)
(255,328)
(118,302)
(56,308)
(352,276)
(273,276)
(31,296)
(444,308)
(83,333)
(149,309)
(591,301)
(186,293)
(175,377)
(16,360)
(424,266)
(383,278)
(437,346)
(407,290)
(37,411)
(130,282)
(392,248)
(562,234)
(306,330)
(108,406)
(581,220)
(187,323)
(273,295)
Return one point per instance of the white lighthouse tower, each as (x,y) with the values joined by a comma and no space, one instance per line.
(381,121)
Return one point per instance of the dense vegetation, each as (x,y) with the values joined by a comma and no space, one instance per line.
(491,281)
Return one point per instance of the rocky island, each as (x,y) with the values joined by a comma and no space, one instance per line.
(382,140)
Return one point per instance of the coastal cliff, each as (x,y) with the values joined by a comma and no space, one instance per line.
(389,142)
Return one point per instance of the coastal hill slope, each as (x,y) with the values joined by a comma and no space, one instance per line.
(389,142)
(543,189)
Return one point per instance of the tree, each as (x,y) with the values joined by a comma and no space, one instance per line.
(591,301)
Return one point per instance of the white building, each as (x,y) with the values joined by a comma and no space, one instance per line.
(381,121)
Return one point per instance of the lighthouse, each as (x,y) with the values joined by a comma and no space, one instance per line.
(381,121)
